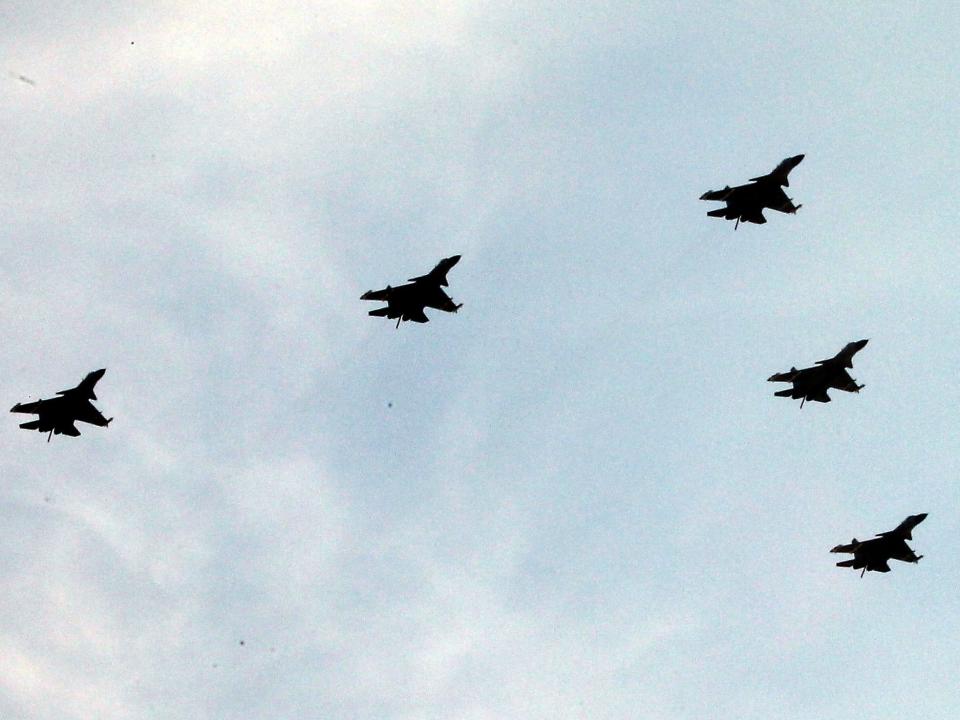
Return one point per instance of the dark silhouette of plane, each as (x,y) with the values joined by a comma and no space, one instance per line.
(21,78)
(745,203)
(58,415)
(406,302)
(812,383)
(874,554)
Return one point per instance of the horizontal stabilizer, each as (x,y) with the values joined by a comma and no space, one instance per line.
(380,312)
(32,425)
(725,213)
(846,563)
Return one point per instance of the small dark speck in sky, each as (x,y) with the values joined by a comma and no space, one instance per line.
(22,78)
(242,642)
(389,404)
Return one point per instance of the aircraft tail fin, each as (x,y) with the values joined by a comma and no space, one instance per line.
(85,388)
(905,529)
(439,274)
(781,171)
(845,356)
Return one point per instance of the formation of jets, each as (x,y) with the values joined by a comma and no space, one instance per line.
(744,203)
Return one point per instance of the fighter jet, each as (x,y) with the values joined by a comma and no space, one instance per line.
(812,383)
(745,203)
(874,554)
(406,302)
(58,415)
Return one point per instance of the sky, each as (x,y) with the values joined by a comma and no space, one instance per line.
(576,498)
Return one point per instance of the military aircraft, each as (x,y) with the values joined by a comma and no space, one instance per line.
(812,383)
(874,554)
(58,415)
(406,302)
(746,202)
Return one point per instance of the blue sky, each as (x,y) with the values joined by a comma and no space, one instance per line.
(577,498)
